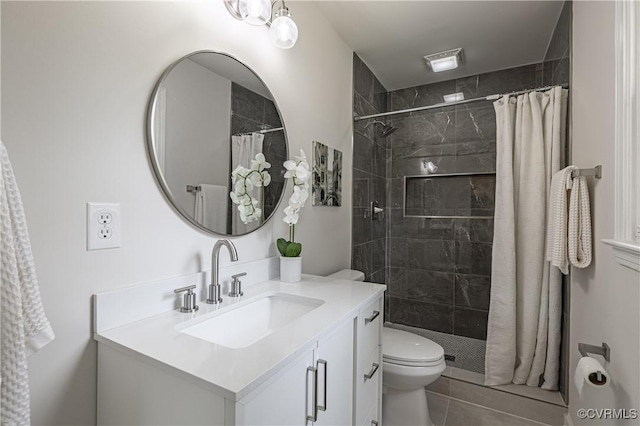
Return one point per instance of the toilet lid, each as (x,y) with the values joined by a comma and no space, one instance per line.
(401,347)
(348,274)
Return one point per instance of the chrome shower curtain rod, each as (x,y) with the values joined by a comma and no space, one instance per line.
(466,101)
(263,131)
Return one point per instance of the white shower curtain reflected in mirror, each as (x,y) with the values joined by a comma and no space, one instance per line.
(523,336)
(244,148)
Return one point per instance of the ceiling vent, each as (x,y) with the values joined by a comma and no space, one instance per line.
(444,61)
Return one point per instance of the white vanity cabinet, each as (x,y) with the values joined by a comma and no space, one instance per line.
(338,383)
(316,388)
(149,373)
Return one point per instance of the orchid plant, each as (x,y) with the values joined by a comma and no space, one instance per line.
(298,171)
(244,181)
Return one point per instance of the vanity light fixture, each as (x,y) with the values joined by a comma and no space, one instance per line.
(283,32)
(444,61)
(255,12)
(454,97)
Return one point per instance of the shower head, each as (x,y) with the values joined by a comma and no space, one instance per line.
(386,128)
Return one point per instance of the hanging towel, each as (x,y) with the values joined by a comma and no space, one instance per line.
(25,329)
(580,224)
(557,226)
(211,207)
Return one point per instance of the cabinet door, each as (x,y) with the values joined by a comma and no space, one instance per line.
(368,382)
(287,400)
(369,391)
(334,360)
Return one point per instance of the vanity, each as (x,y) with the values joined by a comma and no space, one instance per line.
(271,353)
(282,354)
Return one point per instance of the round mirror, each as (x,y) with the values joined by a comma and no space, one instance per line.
(217,143)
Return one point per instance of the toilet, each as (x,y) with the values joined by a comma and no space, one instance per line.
(409,363)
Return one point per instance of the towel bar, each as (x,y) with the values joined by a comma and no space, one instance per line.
(603,350)
(192,188)
(596,172)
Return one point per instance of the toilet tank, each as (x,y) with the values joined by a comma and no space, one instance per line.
(348,274)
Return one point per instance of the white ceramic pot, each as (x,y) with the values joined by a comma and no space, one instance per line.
(290,269)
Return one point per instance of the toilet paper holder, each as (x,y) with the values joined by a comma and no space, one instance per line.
(603,350)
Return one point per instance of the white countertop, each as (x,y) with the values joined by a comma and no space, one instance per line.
(234,373)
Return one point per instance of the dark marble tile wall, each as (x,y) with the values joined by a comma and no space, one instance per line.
(369,175)
(557,70)
(450,196)
(250,112)
(439,270)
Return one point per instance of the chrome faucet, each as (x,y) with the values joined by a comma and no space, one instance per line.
(214,287)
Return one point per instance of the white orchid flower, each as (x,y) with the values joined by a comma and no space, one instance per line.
(256,178)
(302,157)
(290,165)
(244,182)
(266,178)
(302,172)
(260,163)
(291,215)
(298,171)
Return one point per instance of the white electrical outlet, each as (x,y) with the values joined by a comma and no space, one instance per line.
(103,226)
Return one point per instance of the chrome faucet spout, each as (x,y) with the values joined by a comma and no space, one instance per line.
(214,287)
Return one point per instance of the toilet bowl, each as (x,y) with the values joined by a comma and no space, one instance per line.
(409,363)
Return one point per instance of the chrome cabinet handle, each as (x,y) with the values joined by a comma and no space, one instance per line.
(323,362)
(372,317)
(374,368)
(314,416)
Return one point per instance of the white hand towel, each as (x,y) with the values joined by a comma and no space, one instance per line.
(580,224)
(25,328)
(211,207)
(557,227)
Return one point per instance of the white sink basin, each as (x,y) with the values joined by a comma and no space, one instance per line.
(246,324)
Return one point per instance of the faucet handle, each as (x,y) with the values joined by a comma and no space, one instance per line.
(189,299)
(236,285)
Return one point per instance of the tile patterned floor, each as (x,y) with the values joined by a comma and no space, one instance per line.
(446,411)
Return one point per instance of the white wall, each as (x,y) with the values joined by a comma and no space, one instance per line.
(77,77)
(604,297)
(198,131)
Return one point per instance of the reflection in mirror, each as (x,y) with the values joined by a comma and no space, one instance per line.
(217,143)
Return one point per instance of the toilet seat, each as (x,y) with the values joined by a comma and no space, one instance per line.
(406,363)
(411,350)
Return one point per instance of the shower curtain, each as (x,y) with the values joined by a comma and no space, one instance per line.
(523,336)
(244,148)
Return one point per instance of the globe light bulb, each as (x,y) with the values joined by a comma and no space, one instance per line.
(255,12)
(283,32)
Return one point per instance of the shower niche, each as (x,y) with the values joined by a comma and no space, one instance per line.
(455,195)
